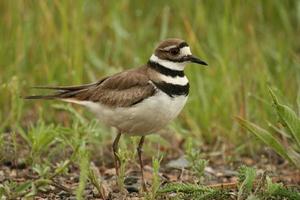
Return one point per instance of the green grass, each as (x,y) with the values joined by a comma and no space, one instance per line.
(246,188)
(247,44)
(289,131)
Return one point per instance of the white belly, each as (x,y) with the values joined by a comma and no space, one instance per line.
(143,118)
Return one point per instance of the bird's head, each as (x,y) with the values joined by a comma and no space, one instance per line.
(174,53)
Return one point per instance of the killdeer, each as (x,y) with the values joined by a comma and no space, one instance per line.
(138,101)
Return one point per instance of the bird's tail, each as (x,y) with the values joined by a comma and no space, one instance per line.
(64,92)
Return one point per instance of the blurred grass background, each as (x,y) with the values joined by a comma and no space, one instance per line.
(248,45)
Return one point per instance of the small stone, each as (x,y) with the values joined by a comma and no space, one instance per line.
(63,194)
(179,163)
(130,180)
(230,173)
(132,188)
(219,174)
(248,161)
(13,173)
(132,184)
(110,172)
(2,176)
(209,170)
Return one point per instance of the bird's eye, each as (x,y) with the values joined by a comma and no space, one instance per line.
(174,51)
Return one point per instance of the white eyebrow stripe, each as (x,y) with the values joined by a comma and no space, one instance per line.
(185,51)
(174,80)
(169,47)
(177,66)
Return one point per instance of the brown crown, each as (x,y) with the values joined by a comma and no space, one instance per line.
(173,53)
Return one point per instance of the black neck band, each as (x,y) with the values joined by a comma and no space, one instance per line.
(173,90)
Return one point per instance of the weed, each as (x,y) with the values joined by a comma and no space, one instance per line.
(193,155)
(94,177)
(278,191)
(291,121)
(13,117)
(247,177)
(84,171)
(156,181)
(246,186)
(39,137)
(124,156)
(191,191)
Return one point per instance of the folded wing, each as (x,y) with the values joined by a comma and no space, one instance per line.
(120,90)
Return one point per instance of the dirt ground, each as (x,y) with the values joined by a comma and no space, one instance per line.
(219,173)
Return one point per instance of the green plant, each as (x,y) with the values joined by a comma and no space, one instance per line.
(152,194)
(247,177)
(193,191)
(278,191)
(248,188)
(13,117)
(124,156)
(193,155)
(291,132)
(95,178)
(46,177)
(39,137)
(83,158)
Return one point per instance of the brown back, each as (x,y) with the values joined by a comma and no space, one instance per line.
(120,90)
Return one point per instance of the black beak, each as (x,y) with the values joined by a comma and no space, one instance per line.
(194,59)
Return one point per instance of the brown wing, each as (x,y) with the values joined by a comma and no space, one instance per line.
(121,90)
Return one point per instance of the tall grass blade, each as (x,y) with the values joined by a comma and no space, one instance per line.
(288,118)
(267,138)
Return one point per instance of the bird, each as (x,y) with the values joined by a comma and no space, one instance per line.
(138,101)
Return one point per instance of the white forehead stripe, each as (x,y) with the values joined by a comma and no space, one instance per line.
(185,51)
(178,66)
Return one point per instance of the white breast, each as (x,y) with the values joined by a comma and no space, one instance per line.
(143,118)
